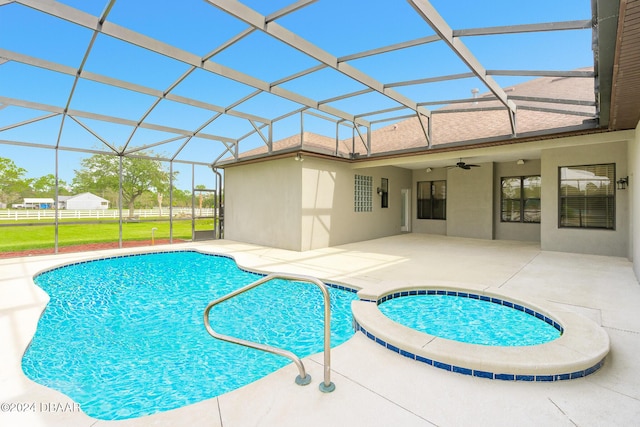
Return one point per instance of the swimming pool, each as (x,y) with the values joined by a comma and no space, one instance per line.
(470,318)
(580,350)
(124,336)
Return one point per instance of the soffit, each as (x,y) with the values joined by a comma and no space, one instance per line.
(625,96)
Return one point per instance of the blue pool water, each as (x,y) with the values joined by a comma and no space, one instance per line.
(124,337)
(469,320)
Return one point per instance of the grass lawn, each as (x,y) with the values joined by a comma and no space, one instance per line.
(42,236)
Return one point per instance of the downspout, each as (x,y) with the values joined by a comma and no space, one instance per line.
(219,215)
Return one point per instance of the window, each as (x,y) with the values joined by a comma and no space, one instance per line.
(432,200)
(384,193)
(520,199)
(587,196)
(363,190)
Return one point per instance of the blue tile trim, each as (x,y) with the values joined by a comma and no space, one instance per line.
(463,371)
(505,377)
(578,374)
(441,365)
(424,360)
(393,348)
(407,354)
(483,374)
(592,369)
(477,373)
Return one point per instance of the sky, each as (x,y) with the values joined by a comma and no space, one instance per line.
(339,27)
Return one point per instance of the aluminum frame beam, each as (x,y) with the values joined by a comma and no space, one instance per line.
(99,78)
(89,21)
(442,28)
(256,20)
(110,119)
(510,29)
(525,28)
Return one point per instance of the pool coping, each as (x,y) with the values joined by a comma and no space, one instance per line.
(578,352)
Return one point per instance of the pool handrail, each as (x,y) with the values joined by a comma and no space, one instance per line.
(303,378)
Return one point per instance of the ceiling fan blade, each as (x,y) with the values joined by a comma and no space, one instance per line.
(463,165)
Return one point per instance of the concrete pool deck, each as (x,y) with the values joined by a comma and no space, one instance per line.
(374,386)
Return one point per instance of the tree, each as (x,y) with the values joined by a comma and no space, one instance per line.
(46,185)
(181,198)
(100,173)
(12,181)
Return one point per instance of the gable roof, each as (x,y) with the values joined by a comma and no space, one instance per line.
(75,196)
(91,196)
(545,105)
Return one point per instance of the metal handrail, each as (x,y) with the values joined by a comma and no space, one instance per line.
(303,378)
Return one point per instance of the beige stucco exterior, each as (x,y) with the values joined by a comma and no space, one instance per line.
(263,203)
(309,205)
(328,215)
(599,242)
(470,202)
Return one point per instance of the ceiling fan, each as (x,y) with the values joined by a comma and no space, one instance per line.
(463,165)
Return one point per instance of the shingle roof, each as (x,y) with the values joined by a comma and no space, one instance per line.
(453,123)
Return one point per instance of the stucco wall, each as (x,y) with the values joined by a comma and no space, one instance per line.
(513,230)
(328,216)
(470,202)
(599,242)
(263,203)
(307,205)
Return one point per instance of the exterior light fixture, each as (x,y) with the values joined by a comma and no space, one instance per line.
(298,158)
(622,183)
(520,162)
(379,191)
(428,170)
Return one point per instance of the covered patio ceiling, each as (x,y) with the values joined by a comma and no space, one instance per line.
(198,81)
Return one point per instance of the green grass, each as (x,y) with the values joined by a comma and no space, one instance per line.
(42,236)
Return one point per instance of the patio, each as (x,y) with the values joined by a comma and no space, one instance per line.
(374,386)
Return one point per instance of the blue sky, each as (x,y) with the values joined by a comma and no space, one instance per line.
(339,27)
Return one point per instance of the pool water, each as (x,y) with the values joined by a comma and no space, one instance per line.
(124,337)
(469,320)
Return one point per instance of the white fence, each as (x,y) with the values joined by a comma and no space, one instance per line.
(41,214)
